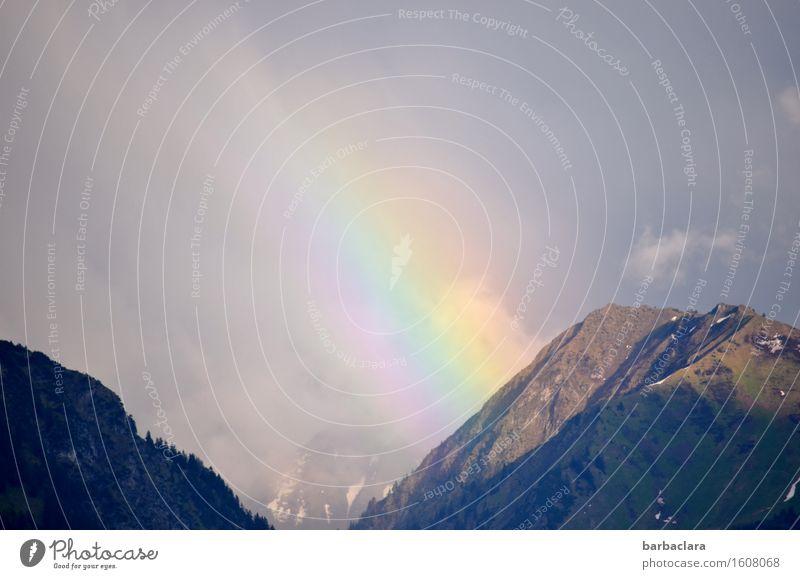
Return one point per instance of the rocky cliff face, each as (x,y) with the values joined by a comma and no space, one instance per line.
(635,417)
(330,487)
(72,458)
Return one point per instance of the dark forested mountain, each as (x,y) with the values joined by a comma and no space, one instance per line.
(634,418)
(71,457)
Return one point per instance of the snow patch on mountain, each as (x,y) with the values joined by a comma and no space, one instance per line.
(352,493)
(792,490)
(774,344)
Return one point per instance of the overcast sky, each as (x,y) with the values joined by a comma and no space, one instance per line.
(356,220)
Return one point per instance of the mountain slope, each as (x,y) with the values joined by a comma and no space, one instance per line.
(345,477)
(635,417)
(72,458)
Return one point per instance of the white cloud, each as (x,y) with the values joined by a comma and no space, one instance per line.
(673,253)
(789,101)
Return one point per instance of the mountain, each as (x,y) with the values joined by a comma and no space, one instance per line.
(636,417)
(332,485)
(72,459)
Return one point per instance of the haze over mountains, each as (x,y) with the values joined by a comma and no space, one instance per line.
(314,228)
(634,418)
(332,486)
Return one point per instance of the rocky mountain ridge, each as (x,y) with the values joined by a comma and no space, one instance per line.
(635,417)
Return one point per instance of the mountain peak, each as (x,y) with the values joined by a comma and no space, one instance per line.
(629,394)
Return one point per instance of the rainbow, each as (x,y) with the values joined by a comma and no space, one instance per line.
(431,343)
